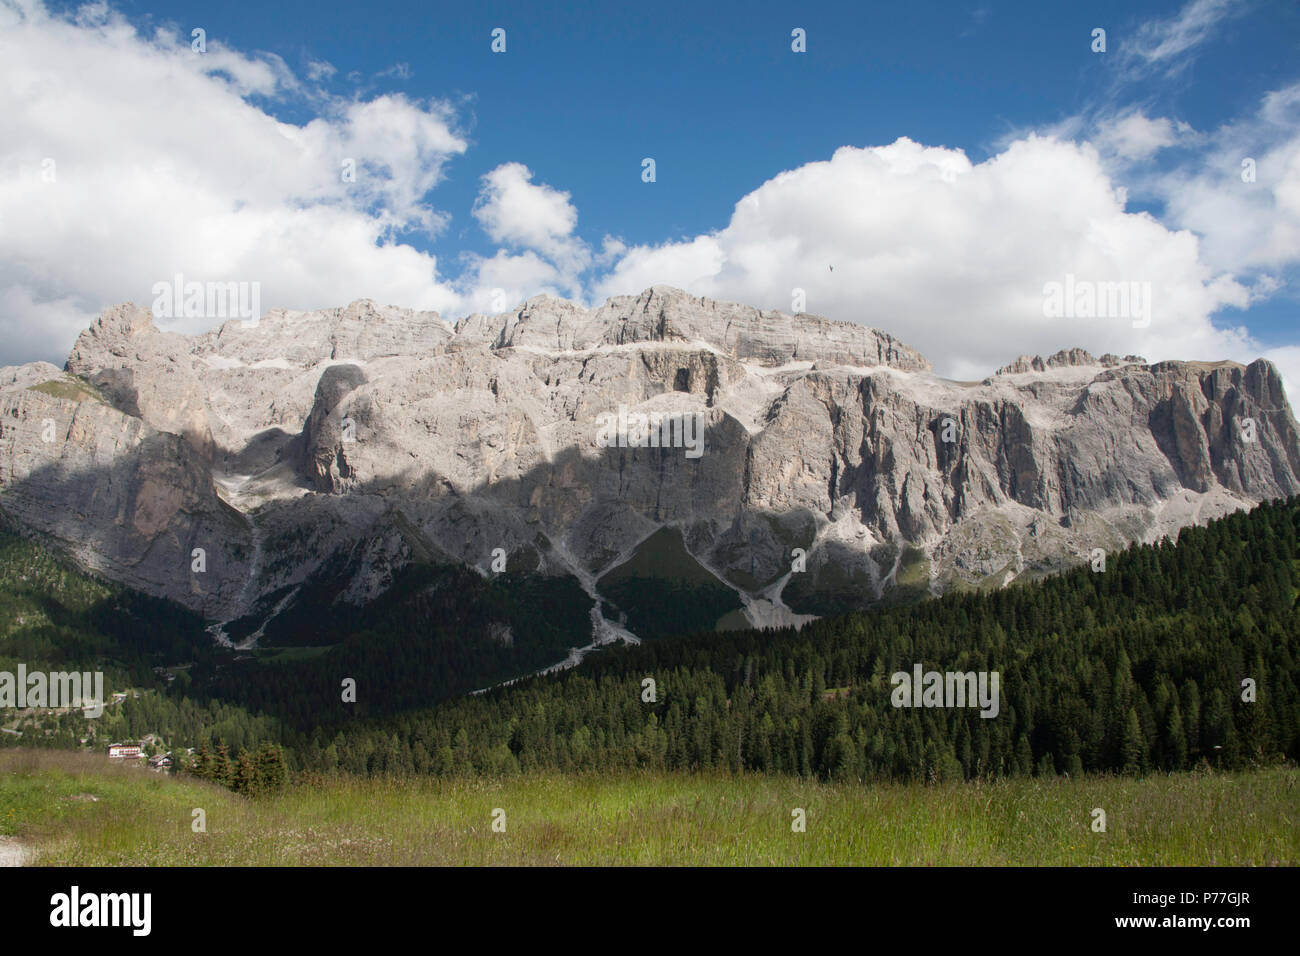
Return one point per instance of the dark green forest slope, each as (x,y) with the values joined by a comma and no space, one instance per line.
(1135,668)
(440,631)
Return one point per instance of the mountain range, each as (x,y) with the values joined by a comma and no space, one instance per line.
(314,456)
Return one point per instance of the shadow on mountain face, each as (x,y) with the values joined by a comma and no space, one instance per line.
(142,517)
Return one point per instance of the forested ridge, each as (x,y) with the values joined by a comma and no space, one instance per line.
(54,615)
(438,632)
(1139,667)
(1136,668)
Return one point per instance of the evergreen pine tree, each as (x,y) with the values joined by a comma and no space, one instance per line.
(1134,743)
(271,774)
(245,775)
(222,770)
(203,764)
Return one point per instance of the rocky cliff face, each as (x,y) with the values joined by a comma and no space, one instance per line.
(367,438)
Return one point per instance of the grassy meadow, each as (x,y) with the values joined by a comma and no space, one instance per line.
(76,809)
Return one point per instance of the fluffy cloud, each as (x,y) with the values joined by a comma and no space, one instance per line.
(1238,192)
(497,283)
(1243,193)
(954,257)
(125,159)
(514,210)
(1136,136)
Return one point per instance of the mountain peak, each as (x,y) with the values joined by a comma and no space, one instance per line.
(1067,358)
(418,438)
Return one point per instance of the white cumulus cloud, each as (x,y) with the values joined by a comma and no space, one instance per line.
(127,158)
(954,257)
(518,212)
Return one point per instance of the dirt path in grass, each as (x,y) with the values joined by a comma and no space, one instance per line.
(13,853)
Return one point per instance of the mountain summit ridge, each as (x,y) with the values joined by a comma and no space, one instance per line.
(370,437)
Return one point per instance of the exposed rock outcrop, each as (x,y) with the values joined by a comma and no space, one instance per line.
(387,436)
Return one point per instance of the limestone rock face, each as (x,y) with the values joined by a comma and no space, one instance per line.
(122,497)
(144,372)
(367,438)
(665,315)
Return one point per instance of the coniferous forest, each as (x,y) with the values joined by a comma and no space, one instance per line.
(1136,668)
(1176,655)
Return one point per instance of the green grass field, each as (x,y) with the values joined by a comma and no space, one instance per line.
(141,818)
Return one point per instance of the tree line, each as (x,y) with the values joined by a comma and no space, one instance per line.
(1178,654)
(254,775)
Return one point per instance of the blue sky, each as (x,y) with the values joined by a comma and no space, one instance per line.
(714,93)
